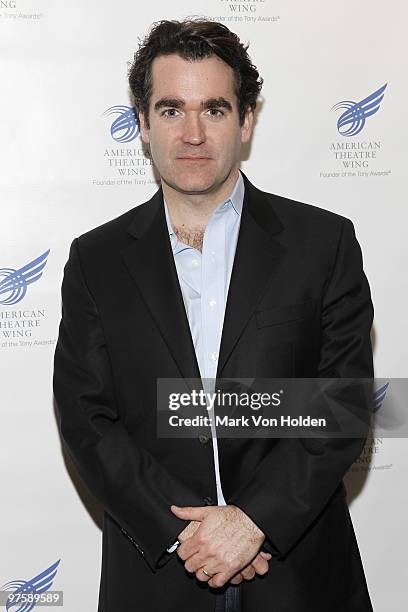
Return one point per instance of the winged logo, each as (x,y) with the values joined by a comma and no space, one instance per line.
(379,397)
(352,121)
(126,126)
(14,283)
(38,584)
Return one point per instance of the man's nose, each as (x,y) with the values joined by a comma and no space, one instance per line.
(193,132)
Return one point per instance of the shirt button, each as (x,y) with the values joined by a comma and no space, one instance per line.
(212,303)
(194,263)
(214,356)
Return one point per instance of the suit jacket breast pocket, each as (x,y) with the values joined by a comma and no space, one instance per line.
(283,314)
(288,339)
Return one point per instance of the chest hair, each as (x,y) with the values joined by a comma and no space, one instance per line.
(192,237)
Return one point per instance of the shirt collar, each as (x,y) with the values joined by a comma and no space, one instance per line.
(234,202)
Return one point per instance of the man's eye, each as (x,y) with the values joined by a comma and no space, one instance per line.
(169,112)
(216,112)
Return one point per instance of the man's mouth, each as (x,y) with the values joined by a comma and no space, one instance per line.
(193,158)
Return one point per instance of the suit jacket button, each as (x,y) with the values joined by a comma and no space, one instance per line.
(203,438)
(208,501)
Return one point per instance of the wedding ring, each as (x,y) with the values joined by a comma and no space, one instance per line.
(206,573)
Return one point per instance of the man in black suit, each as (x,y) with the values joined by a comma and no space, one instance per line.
(297,305)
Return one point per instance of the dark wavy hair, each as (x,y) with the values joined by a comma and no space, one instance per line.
(193,39)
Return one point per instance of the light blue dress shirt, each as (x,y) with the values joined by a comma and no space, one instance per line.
(204,278)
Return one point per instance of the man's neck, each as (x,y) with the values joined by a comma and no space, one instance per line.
(192,237)
(189,213)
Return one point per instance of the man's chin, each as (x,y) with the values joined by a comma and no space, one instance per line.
(191,185)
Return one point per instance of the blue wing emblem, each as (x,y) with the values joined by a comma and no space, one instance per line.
(39,584)
(352,121)
(379,397)
(15,282)
(126,126)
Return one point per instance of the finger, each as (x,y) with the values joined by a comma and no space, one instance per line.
(196,562)
(260,565)
(248,572)
(187,548)
(266,555)
(218,580)
(202,576)
(190,513)
(189,530)
(236,579)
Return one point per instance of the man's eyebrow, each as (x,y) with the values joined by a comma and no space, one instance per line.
(178,103)
(172,102)
(217,103)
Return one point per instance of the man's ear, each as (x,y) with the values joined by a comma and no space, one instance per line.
(246,128)
(144,130)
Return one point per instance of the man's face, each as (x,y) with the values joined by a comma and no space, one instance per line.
(194,135)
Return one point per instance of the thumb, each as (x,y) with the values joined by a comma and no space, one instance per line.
(190,513)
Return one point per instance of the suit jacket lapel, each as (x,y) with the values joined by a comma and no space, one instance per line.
(150,261)
(256,257)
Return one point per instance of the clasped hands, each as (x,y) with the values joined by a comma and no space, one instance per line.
(223,540)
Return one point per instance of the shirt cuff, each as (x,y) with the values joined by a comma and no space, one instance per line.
(173,547)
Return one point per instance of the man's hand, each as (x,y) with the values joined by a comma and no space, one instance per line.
(226,542)
(258,566)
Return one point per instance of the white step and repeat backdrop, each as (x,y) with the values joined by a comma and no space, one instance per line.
(63,69)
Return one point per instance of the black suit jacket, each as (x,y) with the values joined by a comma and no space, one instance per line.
(298,306)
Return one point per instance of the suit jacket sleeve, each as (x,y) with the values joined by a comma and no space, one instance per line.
(131,485)
(293,484)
